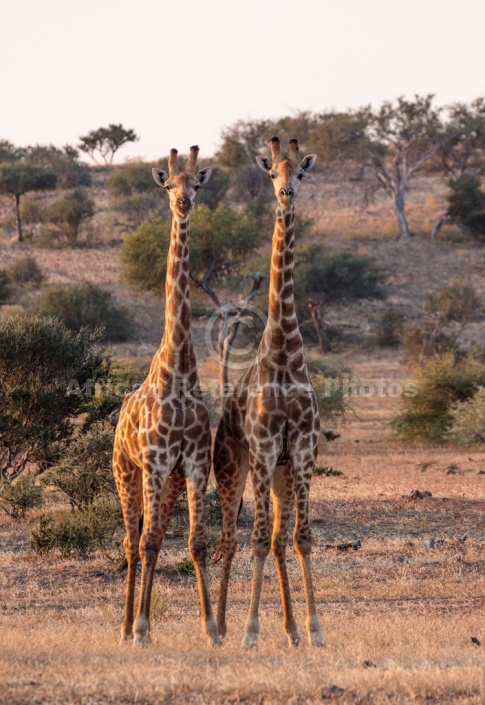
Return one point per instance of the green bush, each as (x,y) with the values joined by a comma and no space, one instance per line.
(20,495)
(441,382)
(342,276)
(84,472)
(25,272)
(85,305)
(220,241)
(39,361)
(389,329)
(134,194)
(468,420)
(70,212)
(78,533)
(467,204)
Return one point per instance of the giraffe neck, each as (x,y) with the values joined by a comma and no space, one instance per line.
(175,355)
(282,333)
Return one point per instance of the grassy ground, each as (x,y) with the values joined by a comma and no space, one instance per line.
(398,613)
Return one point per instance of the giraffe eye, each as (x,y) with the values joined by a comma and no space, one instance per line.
(300,177)
(272,176)
(167,188)
(196,188)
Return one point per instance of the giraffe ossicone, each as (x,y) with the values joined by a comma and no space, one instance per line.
(163,436)
(272,433)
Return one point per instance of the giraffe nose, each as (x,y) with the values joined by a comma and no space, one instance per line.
(184,202)
(286,192)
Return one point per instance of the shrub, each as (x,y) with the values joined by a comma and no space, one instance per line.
(337,277)
(389,329)
(4,286)
(78,533)
(39,358)
(220,241)
(20,495)
(133,193)
(446,315)
(326,471)
(467,204)
(25,271)
(329,389)
(441,382)
(70,212)
(468,420)
(84,472)
(85,305)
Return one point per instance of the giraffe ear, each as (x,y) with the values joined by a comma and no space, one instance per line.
(264,163)
(160,177)
(204,175)
(308,162)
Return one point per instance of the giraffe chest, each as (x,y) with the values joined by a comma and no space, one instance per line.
(162,431)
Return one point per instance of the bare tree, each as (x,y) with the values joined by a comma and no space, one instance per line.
(411,133)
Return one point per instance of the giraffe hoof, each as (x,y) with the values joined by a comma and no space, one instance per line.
(250,641)
(316,639)
(141,640)
(214,640)
(294,639)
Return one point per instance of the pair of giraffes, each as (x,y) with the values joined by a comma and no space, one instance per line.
(269,425)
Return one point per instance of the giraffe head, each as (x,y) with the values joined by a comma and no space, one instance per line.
(286,172)
(182,182)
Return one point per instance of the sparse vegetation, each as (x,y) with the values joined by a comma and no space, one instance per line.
(39,358)
(86,306)
(18,496)
(389,329)
(70,213)
(467,425)
(442,381)
(25,272)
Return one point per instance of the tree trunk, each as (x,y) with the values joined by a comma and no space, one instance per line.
(316,316)
(19,222)
(401,216)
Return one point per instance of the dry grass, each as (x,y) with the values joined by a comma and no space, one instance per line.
(398,613)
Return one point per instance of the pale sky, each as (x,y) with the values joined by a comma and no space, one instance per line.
(178,71)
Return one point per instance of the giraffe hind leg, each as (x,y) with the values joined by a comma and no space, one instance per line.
(128,483)
(282,490)
(302,542)
(230,468)
(197,476)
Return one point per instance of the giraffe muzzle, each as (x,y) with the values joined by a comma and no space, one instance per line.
(285,196)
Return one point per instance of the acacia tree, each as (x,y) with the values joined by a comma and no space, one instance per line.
(71,212)
(411,132)
(106,141)
(464,151)
(19,178)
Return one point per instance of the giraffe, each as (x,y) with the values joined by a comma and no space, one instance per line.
(163,434)
(270,425)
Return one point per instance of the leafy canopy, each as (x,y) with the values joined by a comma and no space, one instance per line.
(220,240)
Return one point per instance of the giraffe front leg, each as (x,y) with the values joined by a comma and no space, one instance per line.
(196,486)
(303,544)
(282,487)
